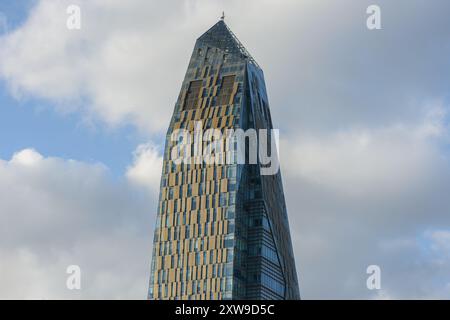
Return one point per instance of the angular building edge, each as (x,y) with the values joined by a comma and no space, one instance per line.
(222,232)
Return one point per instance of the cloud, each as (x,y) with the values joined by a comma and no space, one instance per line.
(360,159)
(325,70)
(371,196)
(57,212)
(364,126)
(146,167)
(122,66)
(26,157)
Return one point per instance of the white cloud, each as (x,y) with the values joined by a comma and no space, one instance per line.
(324,69)
(57,212)
(366,178)
(370,196)
(146,168)
(360,159)
(125,65)
(27,157)
(127,62)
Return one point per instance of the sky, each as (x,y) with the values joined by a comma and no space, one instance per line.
(364,139)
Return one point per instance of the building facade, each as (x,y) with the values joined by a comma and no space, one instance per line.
(222,229)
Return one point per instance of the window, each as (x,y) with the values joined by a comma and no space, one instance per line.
(192,95)
(232,198)
(228,243)
(228,270)
(223,199)
(167,220)
(225,91)
(217,189)
(197,259)
(231,227)
(229,212)
(231,172)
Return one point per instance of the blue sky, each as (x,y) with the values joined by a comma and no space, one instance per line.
(364,138)
(30,122)
(15,11)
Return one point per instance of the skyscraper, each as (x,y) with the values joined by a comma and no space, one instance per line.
(222,229)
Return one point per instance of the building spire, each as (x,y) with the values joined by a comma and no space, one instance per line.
(221,37)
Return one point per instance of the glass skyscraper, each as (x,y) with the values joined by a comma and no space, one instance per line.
(222,229)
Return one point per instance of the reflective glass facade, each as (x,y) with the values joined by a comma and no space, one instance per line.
(222,230)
